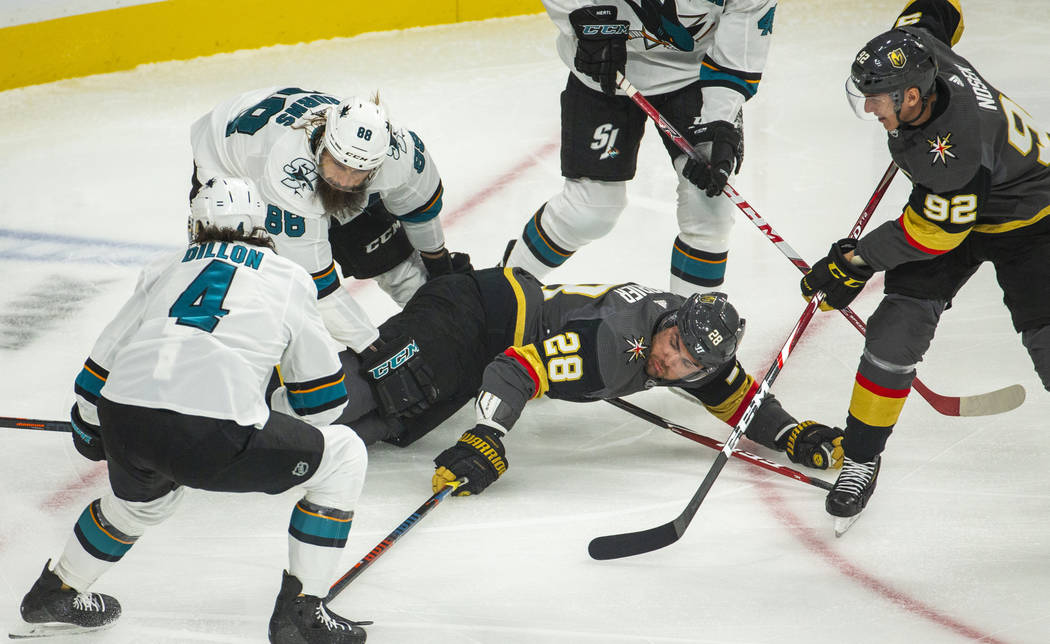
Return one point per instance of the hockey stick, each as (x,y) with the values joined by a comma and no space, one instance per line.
(385,544)
(34,423)
(988,403)
(633,543)
(985,404)
(697,437)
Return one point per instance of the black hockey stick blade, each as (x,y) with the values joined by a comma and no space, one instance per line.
(628,544)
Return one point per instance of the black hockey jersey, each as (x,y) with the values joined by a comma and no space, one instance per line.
(979,165)
(585,342)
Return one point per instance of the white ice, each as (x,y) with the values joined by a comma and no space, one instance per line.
(955,545)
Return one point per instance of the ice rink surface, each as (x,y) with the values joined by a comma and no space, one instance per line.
(954,547)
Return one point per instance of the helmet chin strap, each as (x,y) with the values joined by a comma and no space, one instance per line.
(922,110)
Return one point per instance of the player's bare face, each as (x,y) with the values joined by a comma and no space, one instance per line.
(881,106)
(340,176)
(668,358)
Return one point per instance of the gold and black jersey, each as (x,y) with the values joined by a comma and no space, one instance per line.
(980,165)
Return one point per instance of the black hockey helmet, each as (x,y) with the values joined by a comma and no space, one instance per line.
(711,330)
(889,64)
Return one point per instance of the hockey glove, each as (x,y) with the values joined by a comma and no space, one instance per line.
(400,377)
(478,455)
(840,279)
(86,437)
(445,263)
(814,445)
(601,44)
(719,145)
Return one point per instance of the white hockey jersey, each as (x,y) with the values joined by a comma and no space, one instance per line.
(264,135)
(721,43)
(201,335)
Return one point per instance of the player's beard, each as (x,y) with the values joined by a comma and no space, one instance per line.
(335,200)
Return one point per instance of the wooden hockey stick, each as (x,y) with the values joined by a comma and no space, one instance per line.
(984,404)
(706,441)
(389,540)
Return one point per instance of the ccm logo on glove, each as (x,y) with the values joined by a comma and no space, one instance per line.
(400,358)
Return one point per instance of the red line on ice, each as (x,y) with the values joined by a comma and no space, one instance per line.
(818,545)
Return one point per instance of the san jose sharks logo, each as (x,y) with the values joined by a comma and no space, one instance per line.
(940,148)
(636,348)
(663,27)
(301,175)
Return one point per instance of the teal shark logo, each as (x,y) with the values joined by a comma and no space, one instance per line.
(660,19)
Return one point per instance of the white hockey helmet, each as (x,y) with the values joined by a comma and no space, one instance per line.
(226,202)
(357,134)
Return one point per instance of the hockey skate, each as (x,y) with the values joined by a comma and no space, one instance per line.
(304,619)
(48,609)
(851,492)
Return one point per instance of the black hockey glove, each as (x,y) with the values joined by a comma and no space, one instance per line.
(86,437)
(840,279)
(601,44)
(478,455)
(719,144)
(445,263)
(814,445)
(400,377)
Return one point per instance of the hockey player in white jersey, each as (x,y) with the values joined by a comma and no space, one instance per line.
(696,61)
(172,397)
(340,182)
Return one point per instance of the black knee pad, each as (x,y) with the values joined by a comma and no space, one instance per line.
(901,329)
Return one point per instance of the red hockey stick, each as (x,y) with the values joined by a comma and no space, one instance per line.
(706,441)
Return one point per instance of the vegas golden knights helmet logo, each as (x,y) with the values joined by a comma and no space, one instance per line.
(897,58)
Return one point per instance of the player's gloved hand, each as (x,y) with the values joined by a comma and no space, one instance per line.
(445,263)
(601,44)
(86,437)
(400,376)
(840,279)
(478,455)
(719,145)
(814,445)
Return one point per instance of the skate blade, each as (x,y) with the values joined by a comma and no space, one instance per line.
(844,523)
(26,630)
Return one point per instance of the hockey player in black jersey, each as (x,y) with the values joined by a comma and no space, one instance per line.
(503,337)
(978,164)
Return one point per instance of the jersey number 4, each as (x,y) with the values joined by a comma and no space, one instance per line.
(200,305)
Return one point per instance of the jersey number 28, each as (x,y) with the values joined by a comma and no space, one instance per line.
(563,363)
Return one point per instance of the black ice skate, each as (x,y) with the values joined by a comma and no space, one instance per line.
(49,609)
(851,492)
(304,619)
